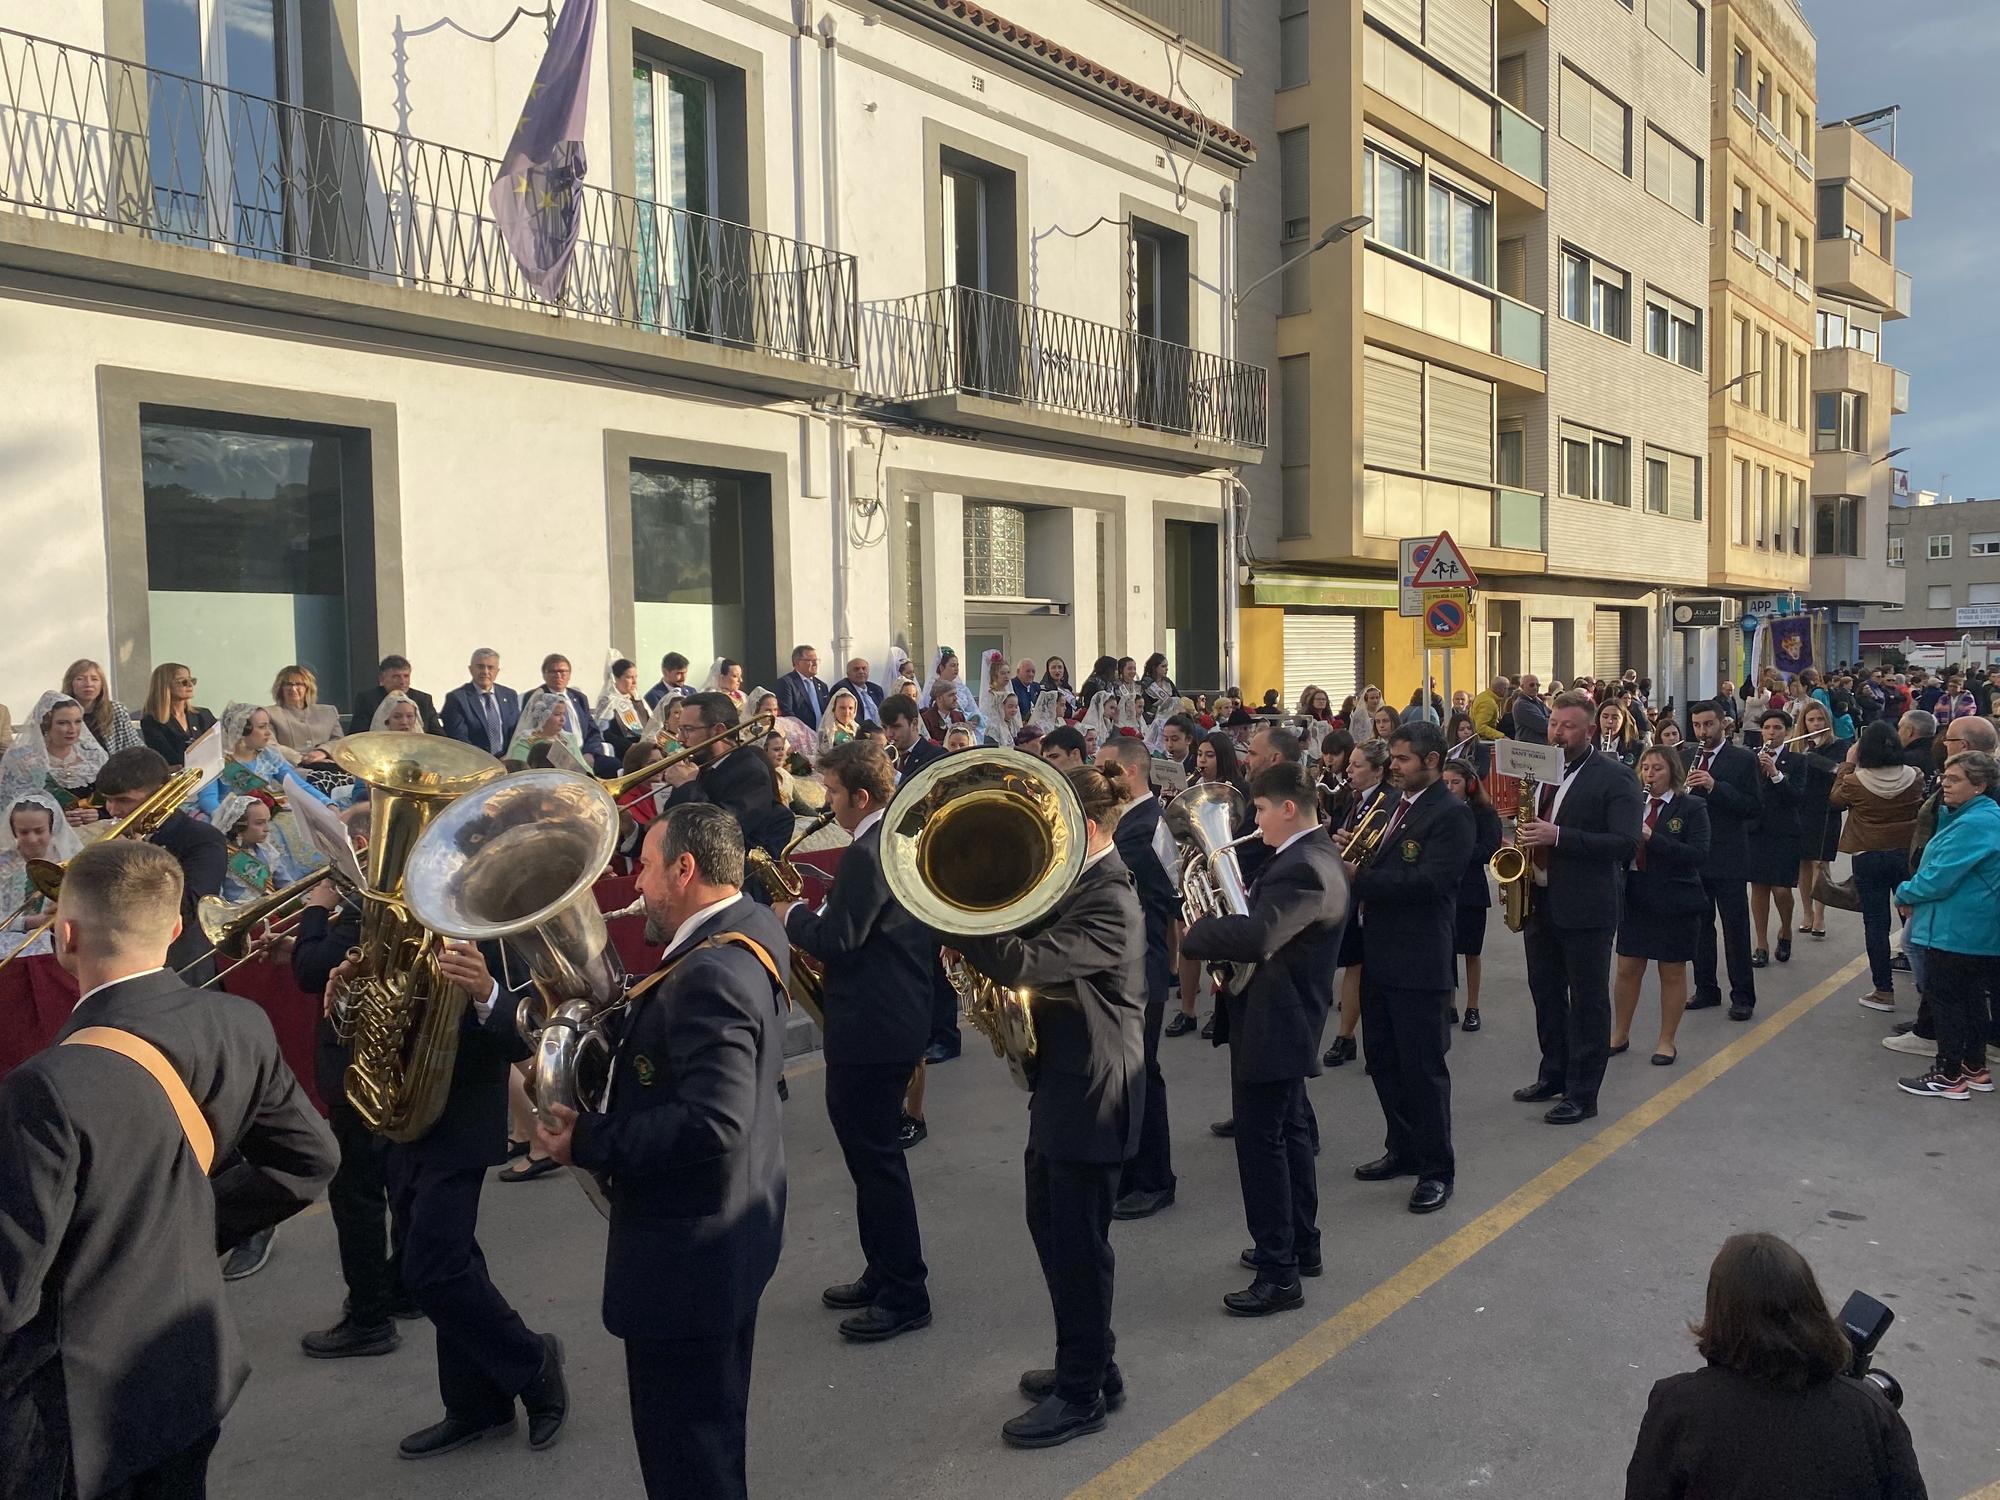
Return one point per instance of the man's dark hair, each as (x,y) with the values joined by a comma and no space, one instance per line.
(1065,737)
(1879,746)
(140,769)
(1188,725)
(896,708)
(1774,713)
(1707,706)
(711,835)
(128,888)
(798,651)
(861,767)
(717,710)
(1283,743)
(673,661)
(551,659)
(1286,782)
(1425,739)
(393,664)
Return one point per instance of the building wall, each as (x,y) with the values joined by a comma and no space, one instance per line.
(1915,525)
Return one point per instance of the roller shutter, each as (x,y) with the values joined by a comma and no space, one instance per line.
(1607,646)
(1322,648)
(1392,411)
(1460,427)
(1460,32)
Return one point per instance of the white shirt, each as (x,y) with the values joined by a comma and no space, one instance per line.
(1302,833)
(686,930)
(98,989)
(1091,859)
(867,823)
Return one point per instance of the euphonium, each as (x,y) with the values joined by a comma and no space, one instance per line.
(1513,866)
(1203,822)
(783,882)
(977,844)
(394,1008)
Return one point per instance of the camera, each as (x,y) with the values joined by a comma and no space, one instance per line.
(1864,1320)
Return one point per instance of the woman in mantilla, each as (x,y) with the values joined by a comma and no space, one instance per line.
(252,767)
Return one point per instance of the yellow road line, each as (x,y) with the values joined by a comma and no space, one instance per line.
(1991,1492)
(1166,1451)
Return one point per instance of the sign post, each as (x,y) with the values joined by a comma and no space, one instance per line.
(1444,580)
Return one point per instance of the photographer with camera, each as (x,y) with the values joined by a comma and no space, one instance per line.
(1786,1406)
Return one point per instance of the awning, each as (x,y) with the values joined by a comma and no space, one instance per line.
(1312,590)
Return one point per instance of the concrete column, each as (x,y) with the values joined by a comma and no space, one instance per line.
(943,532)
(1134,628)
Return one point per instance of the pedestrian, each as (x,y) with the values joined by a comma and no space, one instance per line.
(1880,794)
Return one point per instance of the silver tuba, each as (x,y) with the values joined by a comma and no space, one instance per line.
(1203,821)
(516,860)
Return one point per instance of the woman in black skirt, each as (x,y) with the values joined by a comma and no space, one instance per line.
(1664,905)
(1368,789)
(1817,763)
(1775,846)
(1475,895)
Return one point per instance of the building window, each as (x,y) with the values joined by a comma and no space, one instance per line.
(1982,593)
(1739,209)
(1831,215)
(1938,596)
(1783,357)
(1829,330)
(1460,233)
(1799,252)
(1673,484)
(1763,226)
(1295,212)
(1510,457)
(1390,195)
(1678,23)
(1799,390)
(1673,329)
(1595,120)
(1739,500)
(1763,95)
(1837,526)
(1798,517)
(1741,72)
(1783,248)
(1656,484)
(1938,548)
(1295,445)
(1781,502)
(1838,425)
(701,549)
(1294,50)
(1985,544)
(1673,173)
(1594,294)
(1761,534)
(1739,349)
(1895,552)
(1595,466)
(1763,369)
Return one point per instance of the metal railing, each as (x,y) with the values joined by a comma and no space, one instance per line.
(90,139)
(958,339)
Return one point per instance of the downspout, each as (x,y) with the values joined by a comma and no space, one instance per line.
(1232,487)
(836,426)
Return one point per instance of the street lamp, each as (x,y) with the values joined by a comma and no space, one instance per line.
(1334,234)
(1730,385)
(1892,453)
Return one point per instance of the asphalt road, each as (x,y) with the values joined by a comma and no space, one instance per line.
(1504,1346)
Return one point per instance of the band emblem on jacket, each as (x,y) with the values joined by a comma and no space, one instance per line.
(1411,851)
(643,1069)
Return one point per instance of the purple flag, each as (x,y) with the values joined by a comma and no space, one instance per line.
(1791,644)
(537,199)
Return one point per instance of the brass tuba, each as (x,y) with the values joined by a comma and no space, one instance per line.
(783,882)
(397,1012)
(977,844)
(1513,866)
(1203,821)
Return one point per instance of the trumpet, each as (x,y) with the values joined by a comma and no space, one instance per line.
(748,732)
(783,882)
(1365,839)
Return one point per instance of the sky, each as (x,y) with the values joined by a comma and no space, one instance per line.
(1939,60)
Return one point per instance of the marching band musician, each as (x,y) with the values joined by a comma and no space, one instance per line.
(1087,965)
(1408,894)
(877,1000)
(1298,905)
(1367,791)
(689,1147)
(737,779)
(128,778)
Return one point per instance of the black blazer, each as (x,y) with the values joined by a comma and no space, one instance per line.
(171,740)
(691,1148)
(1733,805)
(116,1347)
(802,698)
(1778,801)
(472,1130)
(878,962)
(203,854)
(914,759)
(1159,897)
(1487,837)
(741,784)
(594,749)
(465,721)
(1298,907)
(369,699)
(1087,967)
(1600,820)
(1408,893)
(1670,883)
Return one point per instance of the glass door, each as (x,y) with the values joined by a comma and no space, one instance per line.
(673,120)
(980,341)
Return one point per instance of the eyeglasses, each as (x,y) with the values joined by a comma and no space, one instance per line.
(186,681)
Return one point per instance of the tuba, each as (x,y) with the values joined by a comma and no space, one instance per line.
(977,844)
(783,882)
(1203,822)
(1512,867)
(397,1013)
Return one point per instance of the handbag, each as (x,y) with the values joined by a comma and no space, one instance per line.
(1840,894)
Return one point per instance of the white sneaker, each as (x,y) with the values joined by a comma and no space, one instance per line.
(1909,1041)
(1873,1001)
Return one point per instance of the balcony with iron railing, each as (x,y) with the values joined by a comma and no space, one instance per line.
(962,355)
(186,186)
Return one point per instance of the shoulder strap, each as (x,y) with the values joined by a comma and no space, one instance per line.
(200,1139)
(718,940)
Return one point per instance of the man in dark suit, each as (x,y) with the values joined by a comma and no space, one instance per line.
(735,778)
(1408,896)
(391,676)
(903,722)
(877,961)
(673,679)
(870,693)
(1579,845)
(1298,906)
(689,1146)
(127,779)
(118,1356)
(801,695)
(1147,1184)
(481,712)
(1724,775)
(555,679)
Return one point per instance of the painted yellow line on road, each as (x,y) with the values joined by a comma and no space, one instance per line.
(1991,1492)
(1165,1452)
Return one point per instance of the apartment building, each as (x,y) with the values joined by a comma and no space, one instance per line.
(1863,194)
(1760,301)
(894,324)
(1948,559)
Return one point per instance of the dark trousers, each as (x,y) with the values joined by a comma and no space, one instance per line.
(864,1103)
(184,1476)
(1274,1164)
(486,1355)
(1069,1219)
(1877,873)
(944,1011)
(688,1398)
(1151,1169)
(1730,901)
(371,1263)
(1404,1038)
(1959,986)
(1569,974)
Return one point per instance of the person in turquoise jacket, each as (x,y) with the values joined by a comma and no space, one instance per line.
(1953,906)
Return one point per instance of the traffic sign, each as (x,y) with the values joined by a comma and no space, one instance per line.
(1413,552)
(1445,567)
(1447,618)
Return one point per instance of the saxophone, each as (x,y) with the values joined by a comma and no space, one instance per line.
(783,882)
(1514,869)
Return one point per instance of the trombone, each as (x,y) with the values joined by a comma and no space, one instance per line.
(229,925)
(748,732)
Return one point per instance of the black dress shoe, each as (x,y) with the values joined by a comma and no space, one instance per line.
(1664,1059)
(1341,1051)
(348,1339)
(1039,1385)
(1471,1018)
(1569,1112)
(547,1398)
(1451,1016)
(1053,1420)
(1704,1002)
(1180,1023)
(1142,1205)
(1382,1169)
(1783,952)
(1429,1195)
(846,1296)
(1621,1047)
(1759,958)
(1312,1264)
(874,1324)
(450,1435)
(910,1131)
(1223,1128)
(939,1052)
(1262,1298)
(1740,1012)
(1208,1027)
(1538,1093)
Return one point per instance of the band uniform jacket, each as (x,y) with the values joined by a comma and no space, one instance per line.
(1733,806)
(465,720)
(1086,964)
(1298,907)
(1670,883)
(1408,892)
(1600,819)
(691,1146)
(116,1350)
(1778,801)
(740,783)
(203,855)
(878,961)
(914,759)
(370,699)
(472,1129)
(1159,898)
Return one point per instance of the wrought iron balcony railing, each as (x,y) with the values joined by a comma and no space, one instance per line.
(959,340)
(91,139)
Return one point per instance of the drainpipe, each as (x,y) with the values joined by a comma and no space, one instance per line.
(1232,487)
(836,426)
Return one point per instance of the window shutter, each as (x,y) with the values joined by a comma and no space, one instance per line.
(1513,81)
(1405,16)
(1573,108)
(1460,427)
(1392,411)
(1513,268)
(1461,33)
(1322,649)
(1687,183)
(1659,165)
(1607,129)
(1680,486)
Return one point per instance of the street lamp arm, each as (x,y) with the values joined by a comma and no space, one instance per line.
(1333,235)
